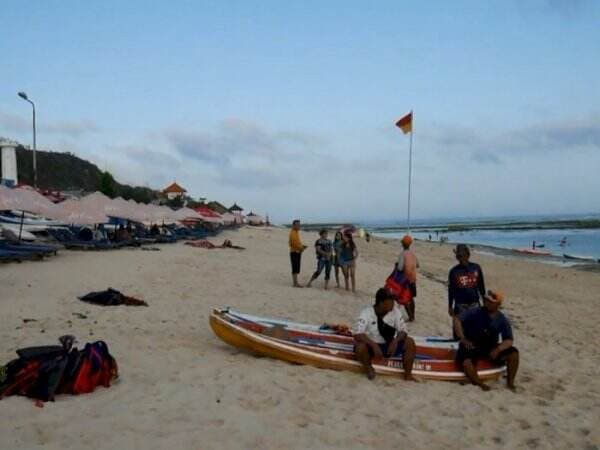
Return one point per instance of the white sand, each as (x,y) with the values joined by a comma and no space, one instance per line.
(182,388)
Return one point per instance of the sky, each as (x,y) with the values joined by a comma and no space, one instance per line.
(288,108)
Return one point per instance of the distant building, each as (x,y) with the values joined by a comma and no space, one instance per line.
(173,191)
(236,210)
(9,162)
(255,219)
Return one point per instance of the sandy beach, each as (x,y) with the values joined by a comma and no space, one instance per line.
(180,387)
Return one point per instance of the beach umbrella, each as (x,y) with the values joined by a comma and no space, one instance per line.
(78,213)
(32,201)
(8,199)
(126,210)
(164,214)
(208,215)
(26,199)
(186,213)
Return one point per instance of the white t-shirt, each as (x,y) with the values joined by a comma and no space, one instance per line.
(367,323)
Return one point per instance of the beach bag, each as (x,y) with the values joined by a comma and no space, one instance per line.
(97,368)
(399,286)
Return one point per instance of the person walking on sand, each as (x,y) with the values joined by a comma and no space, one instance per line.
(408,264)
(380,332)
(465,283)
(324,251)
(479,331)
(296,249)
(337,249)
(347,259)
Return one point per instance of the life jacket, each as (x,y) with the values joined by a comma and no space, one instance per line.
(37,373)
(399,286)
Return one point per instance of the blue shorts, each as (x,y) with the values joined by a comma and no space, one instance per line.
(323,264)
(384,350)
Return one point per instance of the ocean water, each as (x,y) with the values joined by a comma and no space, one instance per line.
(579,242)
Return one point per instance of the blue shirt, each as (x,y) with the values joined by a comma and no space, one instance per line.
(484,330)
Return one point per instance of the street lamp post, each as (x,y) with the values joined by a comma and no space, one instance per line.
(23,95)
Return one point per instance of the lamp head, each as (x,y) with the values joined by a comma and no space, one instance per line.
(23,95)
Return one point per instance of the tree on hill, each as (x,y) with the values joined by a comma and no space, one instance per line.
(108,186)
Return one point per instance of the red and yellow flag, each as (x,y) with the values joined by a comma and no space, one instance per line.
(405,123)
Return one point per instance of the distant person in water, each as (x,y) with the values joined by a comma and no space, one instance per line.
(347,259)
(296,249)
(324,252)
(479,331)
(337,250)
(533,245)
(408,264)
(465,283)
(380,332)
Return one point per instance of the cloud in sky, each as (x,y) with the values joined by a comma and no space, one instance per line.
(538,139)
(305,174)
(19,124)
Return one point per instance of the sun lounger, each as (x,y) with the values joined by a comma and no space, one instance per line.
(14,256)
(34,248)
(68,239)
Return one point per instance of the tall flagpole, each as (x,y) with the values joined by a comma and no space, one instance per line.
(409,177)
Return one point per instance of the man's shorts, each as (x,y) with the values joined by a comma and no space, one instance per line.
(295,260)
(384,350)
(477,353)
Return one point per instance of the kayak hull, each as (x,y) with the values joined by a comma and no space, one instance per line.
(279,346)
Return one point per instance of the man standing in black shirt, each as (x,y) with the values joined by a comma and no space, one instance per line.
(465,283)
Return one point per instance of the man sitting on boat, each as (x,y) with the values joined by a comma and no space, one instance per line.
(380,332)
(465,283)
(479,331)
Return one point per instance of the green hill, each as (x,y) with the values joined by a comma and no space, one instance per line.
(67,172)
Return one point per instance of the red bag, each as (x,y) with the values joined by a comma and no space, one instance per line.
(399,286)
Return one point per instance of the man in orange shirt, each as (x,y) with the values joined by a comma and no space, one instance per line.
(408,263)
(296,249)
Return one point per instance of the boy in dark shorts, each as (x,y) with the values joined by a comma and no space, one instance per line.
(479,330)
(324,251)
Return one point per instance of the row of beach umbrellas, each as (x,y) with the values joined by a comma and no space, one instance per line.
(98,208)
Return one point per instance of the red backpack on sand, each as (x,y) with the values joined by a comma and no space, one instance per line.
(399,286)
(97,368)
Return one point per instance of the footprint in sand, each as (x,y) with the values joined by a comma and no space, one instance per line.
(524,424)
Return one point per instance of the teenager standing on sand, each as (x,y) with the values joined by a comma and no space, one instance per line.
(337,249)
(324,251)
(296,249)
(347,259)
(408,264)
(465,283)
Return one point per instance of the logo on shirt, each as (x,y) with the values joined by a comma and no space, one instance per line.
(467,281)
